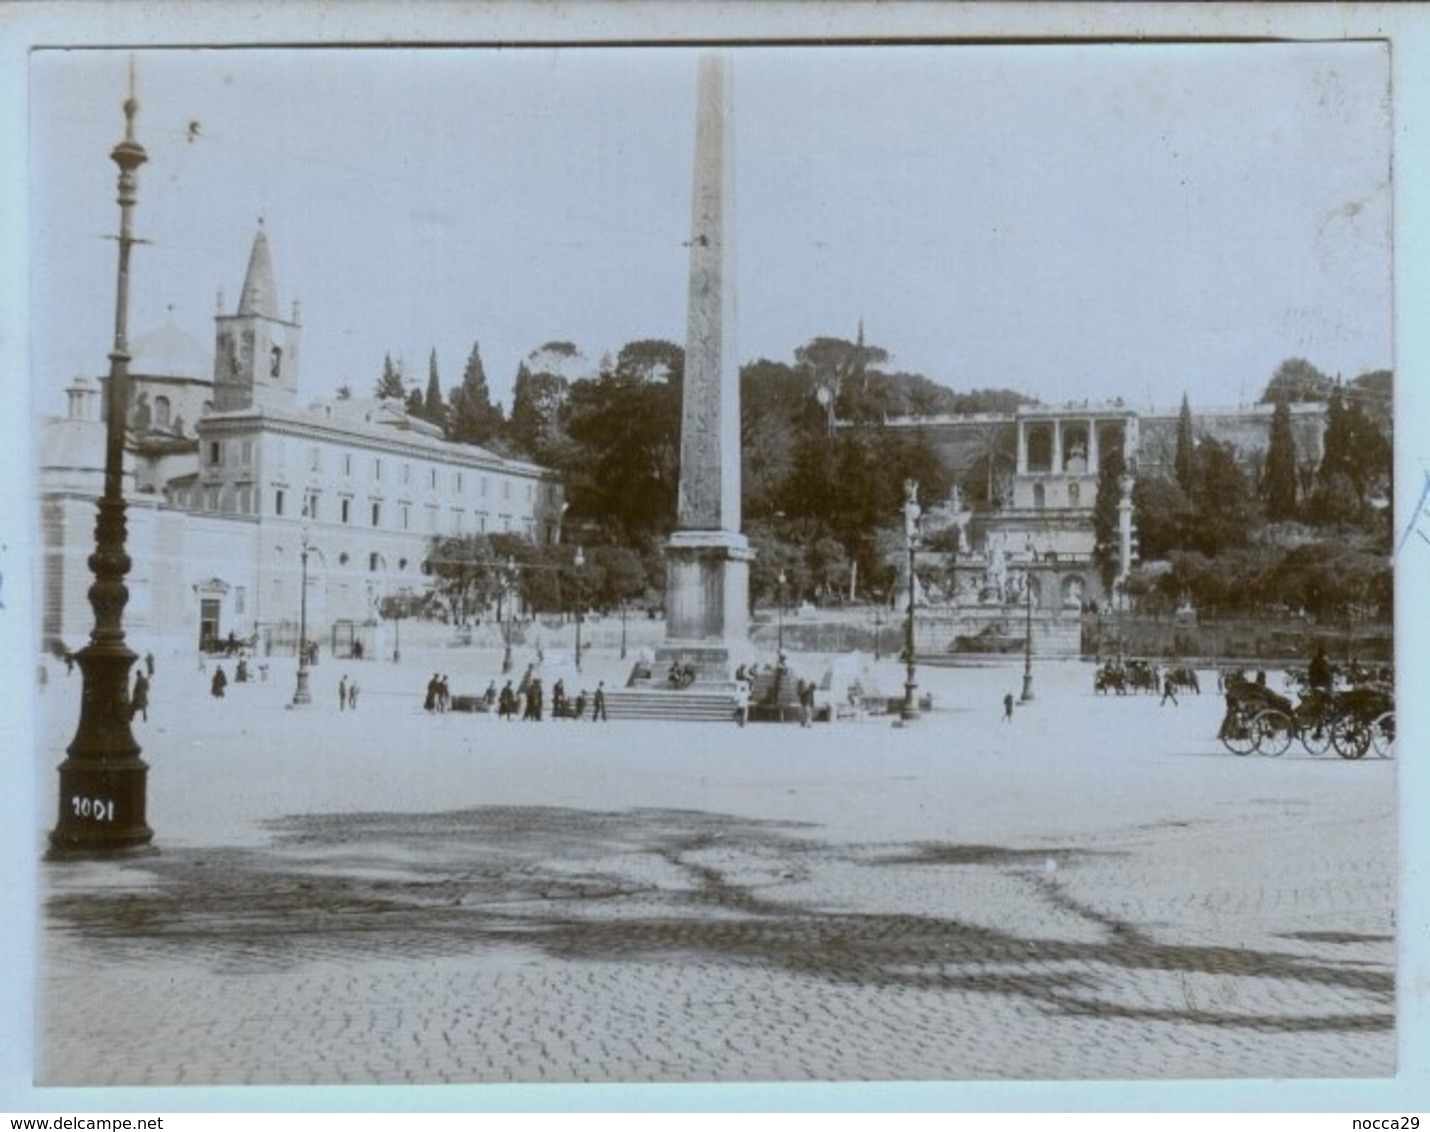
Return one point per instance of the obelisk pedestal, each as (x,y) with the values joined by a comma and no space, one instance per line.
(707,558)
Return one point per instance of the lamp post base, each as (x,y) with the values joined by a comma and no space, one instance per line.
(1027,696)
(301,696)
(910,711)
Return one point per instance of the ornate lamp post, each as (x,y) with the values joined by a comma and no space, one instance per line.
(510,608)
(878,626)
(780,632)
(580,564)
(103,780)
(1027,695)
(912,511)
(301,695)
(623,628)
(404,595)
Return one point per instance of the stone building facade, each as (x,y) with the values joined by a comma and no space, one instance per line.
(221,505)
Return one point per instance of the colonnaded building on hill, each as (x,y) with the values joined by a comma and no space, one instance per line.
(227,477)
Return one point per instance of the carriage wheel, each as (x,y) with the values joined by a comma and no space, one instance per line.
(1273,732)
(1316,735)
(1350,737)
(1239,736)
(1382,735)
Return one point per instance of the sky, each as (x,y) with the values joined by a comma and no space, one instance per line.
(1073,222)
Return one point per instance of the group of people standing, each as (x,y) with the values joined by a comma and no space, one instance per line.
(439,695)
(347,694)
(527,701)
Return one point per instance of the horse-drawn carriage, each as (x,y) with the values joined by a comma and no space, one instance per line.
(1353,721)
(1126,676)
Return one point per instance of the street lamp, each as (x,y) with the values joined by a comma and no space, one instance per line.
(878,625)
(1027,695)
(579,563)
(780,632)
(103,781)
(911,534)
(510,608)
(623,628)
(301,694)
(403,596)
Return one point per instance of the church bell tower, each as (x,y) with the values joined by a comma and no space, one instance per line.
(255,351)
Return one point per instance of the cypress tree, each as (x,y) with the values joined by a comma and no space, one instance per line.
(432,406)
(1279,483)
(1183,466)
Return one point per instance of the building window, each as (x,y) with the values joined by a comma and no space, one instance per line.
(215,452)
(372,560)
(1040,497)
(310,505)
(347,464)
(246,453)
(506,489)
(406,516)
(482,523)
(459,483)
(432,478)
(161,412)
(376,514)
(315,458)
(346,509)
(406,473)
(1074,495)
(278,501)
(377,470)
(530,491)
(484,487)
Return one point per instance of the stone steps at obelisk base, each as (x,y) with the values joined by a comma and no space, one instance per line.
(687,704)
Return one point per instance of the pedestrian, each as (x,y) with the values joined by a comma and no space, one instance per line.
(1008,707)
(352,695)
(343,692)
(506,702)
(219,683)
(805,691)
(1169,691)
(430,703)
(444,693)
(149,665)
(742,702)
(598,704)
(139,701)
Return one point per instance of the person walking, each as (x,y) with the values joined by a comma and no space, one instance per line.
(1008,708)
(219,683)
(598,704)
(1169,691)
(343,692)
(149,665)
(430,703)
(352,696)
(742,702)
(139,701)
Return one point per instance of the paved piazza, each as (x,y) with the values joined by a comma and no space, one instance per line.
(1096,890)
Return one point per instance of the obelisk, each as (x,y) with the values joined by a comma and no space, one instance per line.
(707,558)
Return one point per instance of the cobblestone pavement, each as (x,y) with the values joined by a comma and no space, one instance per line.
(520,942)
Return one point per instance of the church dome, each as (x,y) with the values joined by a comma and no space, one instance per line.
(169,352)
